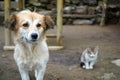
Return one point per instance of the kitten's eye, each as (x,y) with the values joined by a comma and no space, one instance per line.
(38,25)
(26,25)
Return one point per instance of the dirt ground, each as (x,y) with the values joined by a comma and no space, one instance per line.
(64,64)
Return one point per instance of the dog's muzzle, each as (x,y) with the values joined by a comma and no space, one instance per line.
(34,36)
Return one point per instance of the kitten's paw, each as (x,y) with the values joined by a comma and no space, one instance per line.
(91,67)
(84,66)
(87,68)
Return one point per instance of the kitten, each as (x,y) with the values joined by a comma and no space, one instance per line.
(89,57)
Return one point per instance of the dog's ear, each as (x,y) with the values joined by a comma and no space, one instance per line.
(49,22)
(10,22)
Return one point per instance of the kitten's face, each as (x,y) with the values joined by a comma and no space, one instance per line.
(92,52)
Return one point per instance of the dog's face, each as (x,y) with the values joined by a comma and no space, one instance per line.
(29,26)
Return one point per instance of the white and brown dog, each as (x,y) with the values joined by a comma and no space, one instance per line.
(31,51)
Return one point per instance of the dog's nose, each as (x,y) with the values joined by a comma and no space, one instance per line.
(34,35)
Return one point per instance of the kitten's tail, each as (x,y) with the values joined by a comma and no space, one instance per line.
(82,64)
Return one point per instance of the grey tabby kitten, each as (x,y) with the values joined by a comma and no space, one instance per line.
(89,57)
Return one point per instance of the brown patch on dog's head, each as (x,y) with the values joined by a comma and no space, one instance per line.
(28,21)
(49,22)
(10,22)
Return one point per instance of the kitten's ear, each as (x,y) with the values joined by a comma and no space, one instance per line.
(86,50)
(96,49)
(89,50)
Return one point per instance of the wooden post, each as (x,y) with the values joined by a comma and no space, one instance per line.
(7,14)
(102,23)
(20,4)
(59,21)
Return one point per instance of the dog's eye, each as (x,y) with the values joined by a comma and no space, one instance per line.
(38,25)
(26,25)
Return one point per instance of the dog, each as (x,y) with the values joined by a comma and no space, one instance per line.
(31,50)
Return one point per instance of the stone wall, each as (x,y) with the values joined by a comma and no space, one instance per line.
(50,4)
(73,7)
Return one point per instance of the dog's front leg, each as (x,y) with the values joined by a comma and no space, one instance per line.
(39,73)
(24,73)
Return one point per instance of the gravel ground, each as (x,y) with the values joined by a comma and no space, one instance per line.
(64,64)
